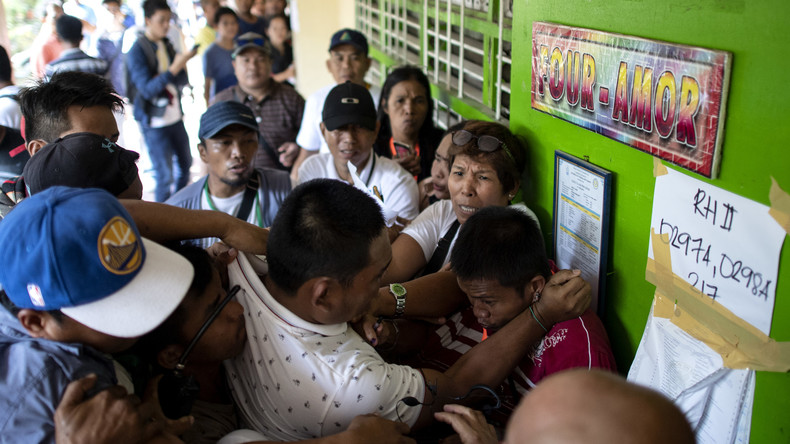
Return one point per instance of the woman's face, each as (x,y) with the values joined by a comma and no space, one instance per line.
(440,169)
(407,106)
(473,185)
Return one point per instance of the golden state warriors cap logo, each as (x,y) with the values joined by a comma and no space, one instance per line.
(120,250)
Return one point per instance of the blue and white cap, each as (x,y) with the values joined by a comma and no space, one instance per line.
(79,251)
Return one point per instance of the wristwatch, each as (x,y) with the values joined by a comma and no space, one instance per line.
(399,292)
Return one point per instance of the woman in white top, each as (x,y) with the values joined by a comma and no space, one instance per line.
(486,163)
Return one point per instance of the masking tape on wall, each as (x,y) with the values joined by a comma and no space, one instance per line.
(659,169)
(740,344)
(780,205)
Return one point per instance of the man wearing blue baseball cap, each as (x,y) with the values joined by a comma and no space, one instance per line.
(348,62)
(78,282)
(228,142)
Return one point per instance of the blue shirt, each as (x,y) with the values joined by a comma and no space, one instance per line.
(218,65)
(33,376)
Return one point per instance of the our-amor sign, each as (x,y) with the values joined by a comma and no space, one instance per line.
(662,98)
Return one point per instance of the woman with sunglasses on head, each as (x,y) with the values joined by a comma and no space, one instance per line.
(485,163)
(405,111)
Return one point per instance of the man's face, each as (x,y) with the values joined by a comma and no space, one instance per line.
(350,142)
(70,331)
(228,155)
(158,24)
(493,305)
(365,286)
(243,6)
(252,68)
(227,26)
(273,7)
(93,119)
(209,9)
(226,335)
(347,63)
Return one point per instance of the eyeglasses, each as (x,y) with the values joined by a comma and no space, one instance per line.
(178,391)
(206,325)
(487,144)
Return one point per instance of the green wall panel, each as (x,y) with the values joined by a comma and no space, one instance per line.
(756,147)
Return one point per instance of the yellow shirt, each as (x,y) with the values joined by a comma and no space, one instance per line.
(205,37)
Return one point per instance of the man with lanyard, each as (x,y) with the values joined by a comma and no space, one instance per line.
(277,108)
(228,141)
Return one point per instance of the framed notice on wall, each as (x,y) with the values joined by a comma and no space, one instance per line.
(582,193)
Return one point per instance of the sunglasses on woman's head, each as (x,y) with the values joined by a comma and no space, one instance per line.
(487,144)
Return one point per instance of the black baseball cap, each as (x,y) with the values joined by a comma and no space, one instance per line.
(347,36)
(82,160)
(349,103)
(224,114)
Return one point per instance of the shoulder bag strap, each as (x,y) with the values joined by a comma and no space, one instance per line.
(437,259)
(249,197)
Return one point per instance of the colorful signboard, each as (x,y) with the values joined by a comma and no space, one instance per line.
(665,99)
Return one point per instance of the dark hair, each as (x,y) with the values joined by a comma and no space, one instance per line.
(151,6)
(428,132)
(57,315)
(45,105)
(508,172)
(502,244)
(324,228)
(224,10)
(104,2)
(5,66)
(280,16)
(169,331)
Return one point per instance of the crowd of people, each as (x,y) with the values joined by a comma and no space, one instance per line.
(344,272)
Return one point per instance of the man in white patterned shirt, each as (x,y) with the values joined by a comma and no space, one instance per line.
(304,371)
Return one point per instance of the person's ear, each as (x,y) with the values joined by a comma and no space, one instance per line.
(329,63)
(34,145)
(534,288)
(367,62)
(35,322)
(378,127)
(202,151)
(324,132)
(322,295)
(513,191)
(168,357)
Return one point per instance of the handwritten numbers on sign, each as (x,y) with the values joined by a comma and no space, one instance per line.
(722,244)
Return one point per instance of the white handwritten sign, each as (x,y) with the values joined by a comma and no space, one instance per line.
(723,244)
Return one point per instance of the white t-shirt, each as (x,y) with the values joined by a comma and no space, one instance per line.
(397,187)
(431,225)
(297,380)
(10,113)
(310,137)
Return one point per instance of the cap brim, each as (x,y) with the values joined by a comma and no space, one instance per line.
(145,302)
(243,48)
(336,122)
(209,133)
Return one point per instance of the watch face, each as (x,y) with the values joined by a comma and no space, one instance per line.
(398,289)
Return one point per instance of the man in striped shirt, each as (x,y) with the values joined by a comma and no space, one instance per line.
(69,33)
(501,265)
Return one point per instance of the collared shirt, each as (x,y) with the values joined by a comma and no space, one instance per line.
(397,188)
(279,115)
(74,59)
(576,343)
(297,380)
(34,374)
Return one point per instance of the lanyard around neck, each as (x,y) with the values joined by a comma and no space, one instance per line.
(250,199)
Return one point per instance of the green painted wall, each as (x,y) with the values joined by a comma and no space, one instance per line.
(756,146)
